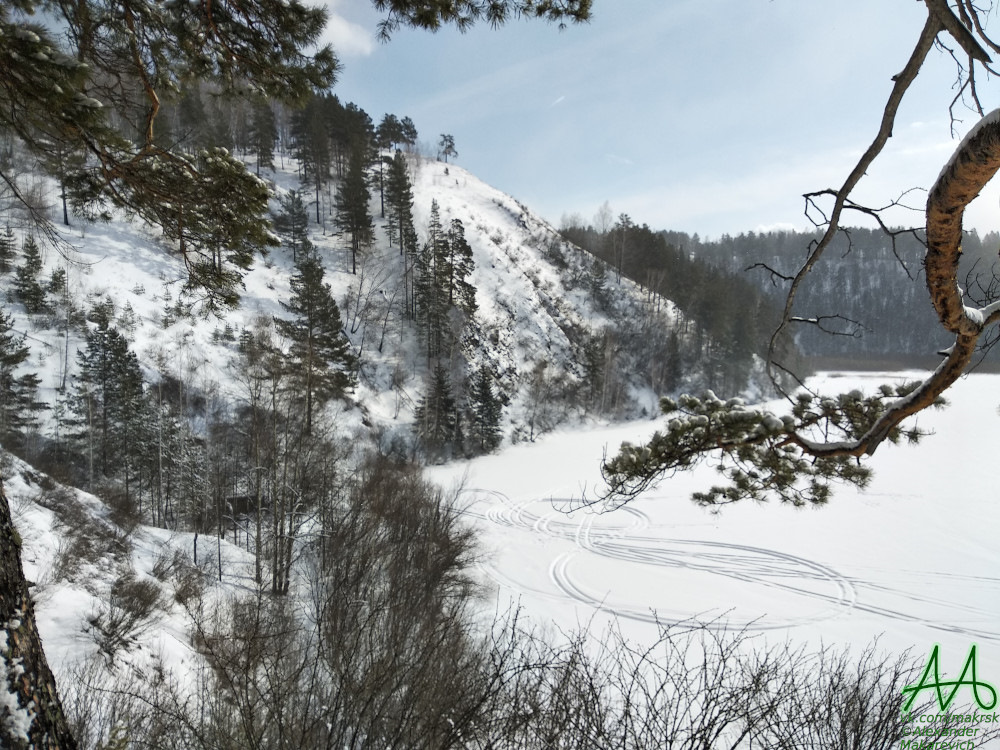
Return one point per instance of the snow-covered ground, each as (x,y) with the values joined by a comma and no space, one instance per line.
(912,561)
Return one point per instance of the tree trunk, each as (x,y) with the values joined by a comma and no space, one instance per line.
(38,722)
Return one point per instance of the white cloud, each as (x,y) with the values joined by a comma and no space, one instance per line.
(348,39)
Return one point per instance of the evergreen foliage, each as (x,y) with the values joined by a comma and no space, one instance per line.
(759,453)
(459,266)
(17,392)
(436,418)
(430,294)
(732,317)
(408,132)
(353,214)
(464,13)
(441,284)
(389,132)
(219,237)
(312,144)
(8,250)
(486,410)
(263,135)
(292,223)
(96,93)
(27,288)
(399,199)
(446,147)
(320,363)
(108,404)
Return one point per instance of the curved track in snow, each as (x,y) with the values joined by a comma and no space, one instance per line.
(648,567)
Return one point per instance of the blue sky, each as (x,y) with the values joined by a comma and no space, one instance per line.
(702,117)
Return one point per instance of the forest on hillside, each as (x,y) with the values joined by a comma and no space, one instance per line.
(873,305)
(730,319)
(872,311)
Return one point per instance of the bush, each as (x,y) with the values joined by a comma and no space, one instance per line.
(86,538)
(126,612)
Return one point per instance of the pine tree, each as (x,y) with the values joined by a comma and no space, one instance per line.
(263,135)
(17,392)
(320,361)
(353,216)
(486,410)
(389,132)
(436,416)
(446,147)
(460,264)
(218,237)
(292,223)
(27,288)
(399,196)
(312,145)
(441,284)
(108,402)
(409,132)
(430,285)
(192,120)
(8,250)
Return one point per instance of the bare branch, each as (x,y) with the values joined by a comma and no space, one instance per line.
(775,275)
(939,9)
(821,322)
(902,82)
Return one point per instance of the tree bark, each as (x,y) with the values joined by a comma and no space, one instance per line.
(23,667)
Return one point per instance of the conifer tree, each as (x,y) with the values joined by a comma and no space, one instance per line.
(387,135)
(320,361)
(459,267)
(217,237)
(292,223)
(486,410)
(389,132)
(446,147)
(353,215)
(441,284)
(108,402)
(17,392)
(408,131)
(27,288)
(263,135)
(8,249)
(430,287)
(399,197)
(436,415)
(312,145)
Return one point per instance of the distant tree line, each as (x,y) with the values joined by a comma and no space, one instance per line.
(874,310)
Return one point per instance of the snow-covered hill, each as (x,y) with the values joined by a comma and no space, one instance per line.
(537,324)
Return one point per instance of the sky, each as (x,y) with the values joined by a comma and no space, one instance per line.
(709,118)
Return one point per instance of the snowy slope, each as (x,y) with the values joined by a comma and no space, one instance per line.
(533,304)
(74,553)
